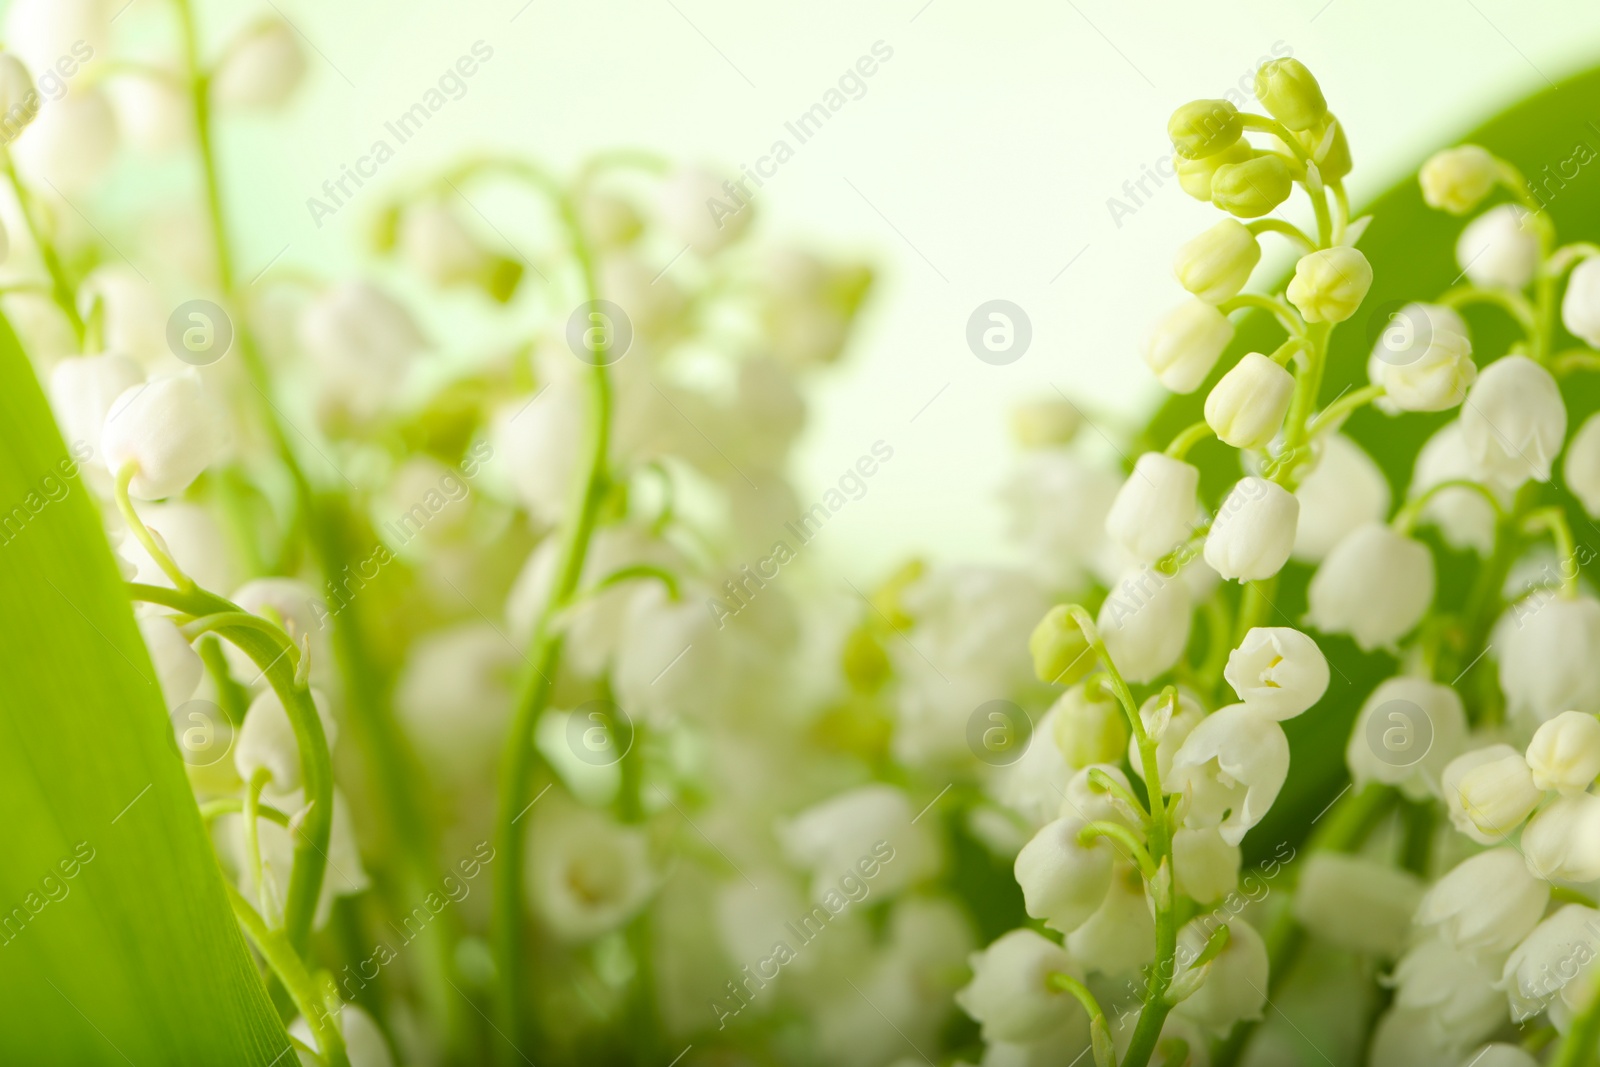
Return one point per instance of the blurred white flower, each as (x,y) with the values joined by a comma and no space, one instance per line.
(1463,516)
(168,429)
(1514,422)
(1562,840)
(363,1041)
(586,874)
(1010,996)
(261,68)
(1235,988)
(871,822)
(1564,754)
(1358,904)
(268,740)
(1547,660)
(1345,489)
(1423,360)
(1155,509)
(71,144)
(1376,585)
(1145,623)
(1457,179)
(1558,951)
(362,343)
(454,698)
(1581,466)
(1452,989)
(1119,938)
(1486,903)
(1489,792)
(178,666)
(702,210)
(1499,249)
(1183,347)
(82,390)
(1580,307)
(1406,732)
(1205,867)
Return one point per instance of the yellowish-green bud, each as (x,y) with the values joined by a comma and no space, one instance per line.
(1043,423)
(1090,726)
(865,664)
(1286,88)
(1194,175)
(1329,149)
(1458,179)
(1329,284)
(1252,188)
(1203,128)
(1061,654)
(1215,265)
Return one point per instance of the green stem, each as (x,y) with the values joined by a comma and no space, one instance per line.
(1553,520)
(1513,303)
(60,288)
(1188,438)
(1307,387)
(1288,229)
(1123,836)
(1287,317)
(142,533)
(639,570)
(1407,517)
(1574,360)
(252,829)
(285,962)
(214,809)
(1065,983)
(1335,413)
(517,760)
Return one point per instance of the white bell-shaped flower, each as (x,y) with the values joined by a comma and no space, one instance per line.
(1063,880)
(1119,939)
(587,874)
(363,1041)
(1216,264)
(1454,990)
(1580,467)
(1277,670)
(168,429)
(871,820)
(1231,768)
(267,740)
(436,244)
(72,142)
(1205,867)
(1235,988)
(82,390)
(261,68)
(1155,509)
(1406,732)
(1081,800)
(1375,585)
(1500,248)
(1580,307)
(362,343)
(1486,903)
(1145,623)
(1557,953)
(153,114)
(1489,792)
(702,210)
(1423,360)
(1355,903)
(454,697)
(19,101)
(1169,729)
(1253,531)
(1345,489)
(1010,994)
(178,666)
(1564,754)
(1562,840)
(1246,407)
(1547,659)
(1407,1038)
(1462,515)
(1185,345)
(1514,422)
(43,31)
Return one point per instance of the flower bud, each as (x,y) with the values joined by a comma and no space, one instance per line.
(1355,903)
(1463,516)
(1061,654)
(1288,91)
(1247,405)
(1145,623)
(1580,469)
(1375,585)
(168,429)
(1329,149)
(1278,671)
(1090,727)
(1405,733)
(1562,842)
(1457,179)
(1486,903)
(1547,659)
(19,101)
(1231,768)
(1216,264)
(72,143)
(1194,175)
(178,667)
(1206,866)
(1043,423)
(1083,800)
(1564,754)
(1169,728)
(1555,954)
(1514,421)
(82,390)
(1423,360)
(1344,490)
(1236,986)
(1499,249)
(262,68)
(1010,993)
(267,739)
(1253,531)
(1183,347)
(1580,306)
(1252,188)
(1488,792)
(1063,880)
(1329,284)
(1155,509)
(1203,128)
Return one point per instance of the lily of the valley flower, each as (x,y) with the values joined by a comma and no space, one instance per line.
(1010,993)
(1345,489)
(1064,881)
(1581,465)
(1514,421)
(1185,345)
(1407,731)
(167,430)
(1547,660)
(1423,360)
(1231,767)
(1489,792)
(1562,840)
(1356,903)
(82,390)
(1564,754)
(1580,307)
(1499,249)
(267,740)
(1486,903)
(1330,284)
(1235,988)
(1215,265)
(1247,405)
(1253,532)
(1457,179)
(1375,585)
(1551,959)
(1155,508)
(1145,623)
(1278,671)
(262,68)
(178,666)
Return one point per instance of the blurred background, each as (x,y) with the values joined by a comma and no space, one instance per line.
(1009,150)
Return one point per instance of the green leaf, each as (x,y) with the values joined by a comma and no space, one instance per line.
(1412,251)
(117,944)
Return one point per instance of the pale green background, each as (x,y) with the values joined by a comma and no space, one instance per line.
(991,143)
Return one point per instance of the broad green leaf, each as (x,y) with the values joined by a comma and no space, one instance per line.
(1412,251)
(117,945)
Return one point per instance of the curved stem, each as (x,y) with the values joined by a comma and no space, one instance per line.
(1065,983)
(286,964)
(1100,780)
(1288,229)
(1553,520)
(60,288)
(1188,438)
(252,831)
(215,809)
(517,760)
(1513,303)
(638,570)
(1287,317)
(1334,414)
(1574,360)
(1124,837)
(1407,517)
(142,533)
